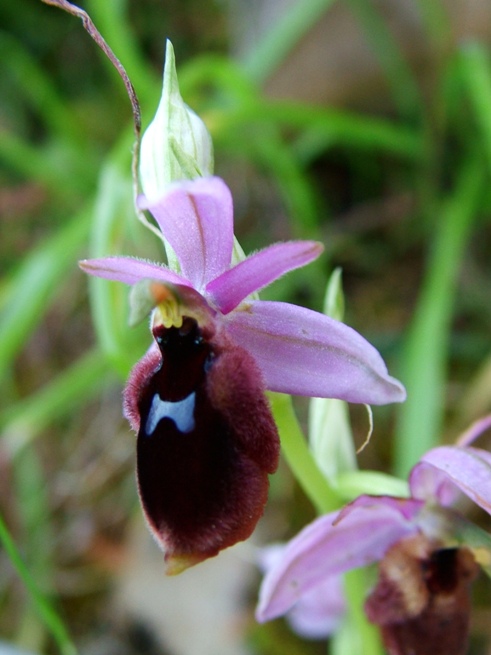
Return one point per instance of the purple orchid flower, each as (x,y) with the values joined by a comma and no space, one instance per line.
(427,552)
(206,437)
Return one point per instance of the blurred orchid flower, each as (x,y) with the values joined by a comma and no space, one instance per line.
(426,549)
(206,437)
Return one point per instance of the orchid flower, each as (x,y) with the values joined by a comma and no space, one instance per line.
(206,437)
(426,549)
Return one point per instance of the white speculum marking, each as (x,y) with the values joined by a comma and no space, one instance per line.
(180,411)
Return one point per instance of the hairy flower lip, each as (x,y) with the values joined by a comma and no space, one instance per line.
(206,441)
(299,351)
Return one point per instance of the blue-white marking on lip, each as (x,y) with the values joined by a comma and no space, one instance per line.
(180,411)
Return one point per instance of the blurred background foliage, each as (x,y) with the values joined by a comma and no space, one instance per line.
(363,123)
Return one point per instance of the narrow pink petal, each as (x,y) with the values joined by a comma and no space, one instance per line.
(259,270)
(474,431)
(305,353)
(196,218)
(467,469)
(130,270)
(323,549)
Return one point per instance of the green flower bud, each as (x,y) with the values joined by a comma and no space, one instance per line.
(176,144)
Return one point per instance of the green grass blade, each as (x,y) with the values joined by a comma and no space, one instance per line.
(476,73)
(55,170)
(72,388)
(30,490)
(45,609)
(278,159)
(404,89)
(111,19)
(436,21)
(35,284)
(36,87)
(424,367)
(332,127)
(268,54)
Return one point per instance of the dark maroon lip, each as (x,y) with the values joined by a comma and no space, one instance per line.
(206,441)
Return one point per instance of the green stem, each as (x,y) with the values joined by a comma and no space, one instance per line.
(355,586)
(46,611)
(299,458)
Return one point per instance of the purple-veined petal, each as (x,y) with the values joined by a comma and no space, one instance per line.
(317,614)
(259,270)
(196,218)
(323,549)
(467,469)
(130,270)
(305,353)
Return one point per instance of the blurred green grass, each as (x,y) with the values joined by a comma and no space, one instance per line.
(399,196)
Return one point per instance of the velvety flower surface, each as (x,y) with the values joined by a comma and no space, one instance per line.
(415,539)
(206,437)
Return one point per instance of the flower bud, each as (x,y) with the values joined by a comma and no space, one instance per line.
(176,145)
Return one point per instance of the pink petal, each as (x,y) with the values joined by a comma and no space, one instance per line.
(308,354)
(474,431)
(323,549)
(320,610)
(196,218)
(130,270)
(431,484)
(406,507)
(466,468)
(259,270)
